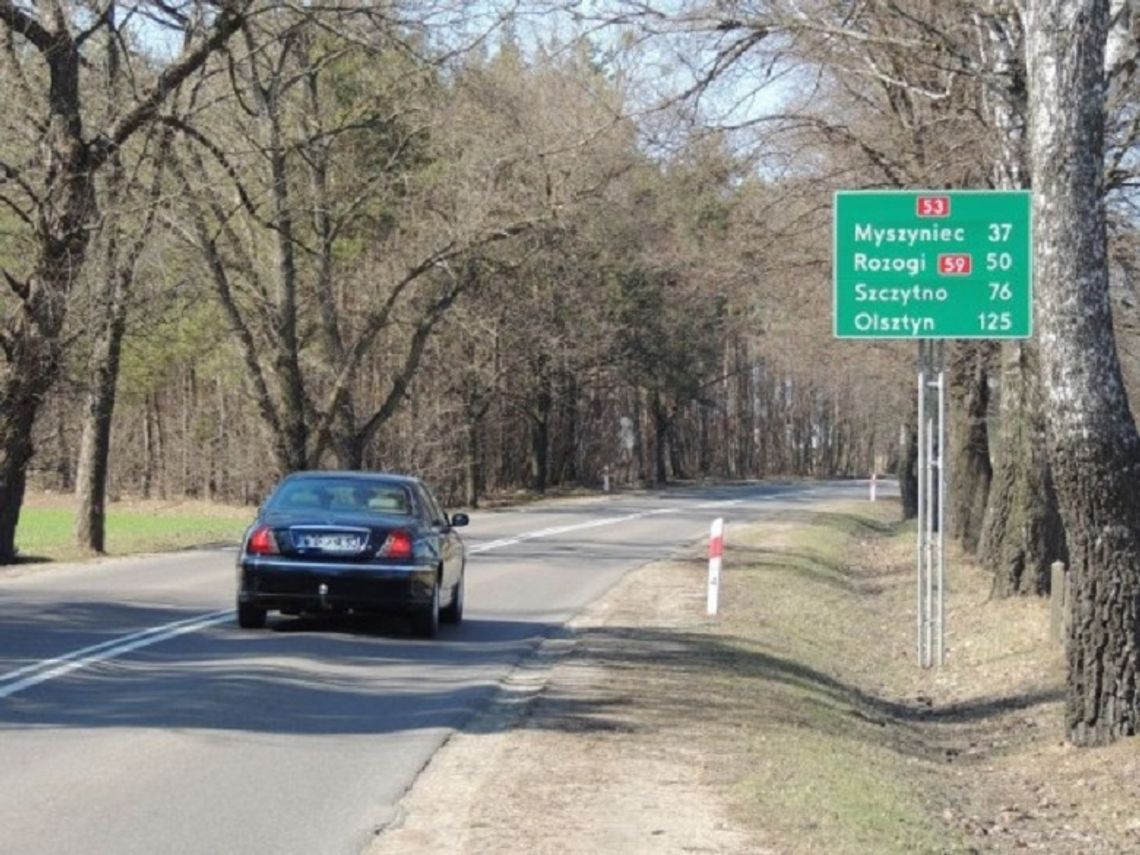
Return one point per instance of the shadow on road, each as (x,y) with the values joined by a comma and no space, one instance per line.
(324,676)
(319,676)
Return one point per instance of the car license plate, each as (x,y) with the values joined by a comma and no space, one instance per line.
(330,542)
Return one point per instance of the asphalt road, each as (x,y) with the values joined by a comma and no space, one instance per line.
(136,718)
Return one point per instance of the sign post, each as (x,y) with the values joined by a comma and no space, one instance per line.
(716,553)
(932,265)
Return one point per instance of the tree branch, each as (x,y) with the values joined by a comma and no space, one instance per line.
(415,354)
(379,317)
(220,156)
(224,291)
(20,289)
(26,26)
(17,210)
(228,22)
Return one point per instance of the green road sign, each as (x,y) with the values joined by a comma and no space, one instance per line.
(933,264)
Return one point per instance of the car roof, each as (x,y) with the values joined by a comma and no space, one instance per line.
(353,474)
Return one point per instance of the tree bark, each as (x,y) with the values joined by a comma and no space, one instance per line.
(95,447)
(67,206)
(1092,440)
(1022,534)
(540,443)
(147,479)
(471,464)
(660,438)
(18,402)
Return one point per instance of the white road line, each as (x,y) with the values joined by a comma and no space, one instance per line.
(40,672)
(547,532)
(113,642)
(49,669)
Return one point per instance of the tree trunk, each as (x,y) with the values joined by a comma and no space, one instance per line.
(1093,444)
(64,479)
(660,438)
(286,362)
(539,449)
(18,402)
(1022,534)
(349,449)
(147,479)
(908,469)
(32,368)
(471,464)
(676,451)
(540,434)
(160,446)
(95,447)
(969,451)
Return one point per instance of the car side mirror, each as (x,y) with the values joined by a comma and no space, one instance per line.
(459,520)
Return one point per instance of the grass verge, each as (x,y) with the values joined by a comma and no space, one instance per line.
(47,525)
(828,762)
(847,746)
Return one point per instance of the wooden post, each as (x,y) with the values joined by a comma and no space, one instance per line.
(1058,601)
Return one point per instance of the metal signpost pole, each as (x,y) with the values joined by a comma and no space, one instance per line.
(931,498)
(921,472)
(931,521)
(940,637)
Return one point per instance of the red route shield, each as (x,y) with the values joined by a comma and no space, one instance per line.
(955,264)
(932,206)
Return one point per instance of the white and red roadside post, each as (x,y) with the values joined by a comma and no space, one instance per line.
(716,553)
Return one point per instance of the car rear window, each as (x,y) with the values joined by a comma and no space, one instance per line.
(339,494)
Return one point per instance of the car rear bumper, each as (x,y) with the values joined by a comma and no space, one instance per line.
(290,585)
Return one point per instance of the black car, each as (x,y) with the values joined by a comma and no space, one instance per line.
(352,541)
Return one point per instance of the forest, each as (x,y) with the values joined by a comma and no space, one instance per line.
(530,245)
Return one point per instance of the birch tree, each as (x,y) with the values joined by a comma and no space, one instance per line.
(1093,442)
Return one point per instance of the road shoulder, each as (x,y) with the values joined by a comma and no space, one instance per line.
(579,753)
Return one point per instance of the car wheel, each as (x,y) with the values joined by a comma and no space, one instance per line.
(250,616)
(425,621)
(454,611)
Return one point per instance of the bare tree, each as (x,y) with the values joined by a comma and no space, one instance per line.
(52,192)
(123,239)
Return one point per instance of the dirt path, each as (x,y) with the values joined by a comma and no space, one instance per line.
(579,756)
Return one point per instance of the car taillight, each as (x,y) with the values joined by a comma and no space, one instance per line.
(262,542)
(397,545)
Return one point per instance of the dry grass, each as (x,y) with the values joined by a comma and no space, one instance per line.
(870,753)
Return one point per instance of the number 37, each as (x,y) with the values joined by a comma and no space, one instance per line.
(1000,232)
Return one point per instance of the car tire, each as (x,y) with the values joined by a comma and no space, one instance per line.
(250,616)
(425,621)
(453,613)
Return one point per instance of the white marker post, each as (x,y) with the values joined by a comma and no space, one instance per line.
(716,553)
(874,479)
